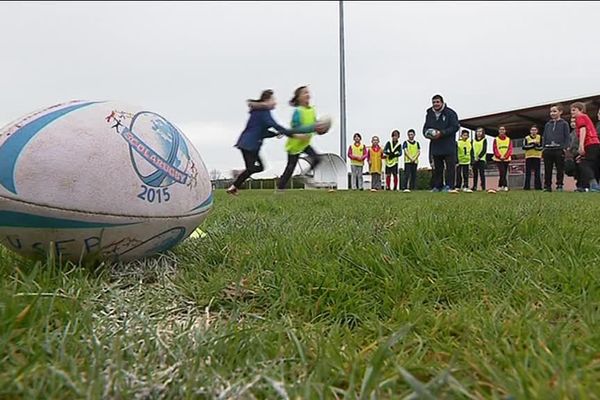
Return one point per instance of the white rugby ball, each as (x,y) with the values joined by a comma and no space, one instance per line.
(430,133)
(98,179)
(326,124)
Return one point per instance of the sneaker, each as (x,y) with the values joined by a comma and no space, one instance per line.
(453,191)
(373,190)
(505,188)
(547,190)
(233,190)
(475,189)
(406,190)
(492,191)
(559,188)
(582,190)
(467,190)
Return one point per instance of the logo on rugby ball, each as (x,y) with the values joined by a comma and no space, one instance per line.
(159,153)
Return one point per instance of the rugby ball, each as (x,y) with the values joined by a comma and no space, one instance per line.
(430,133)
(98,179)
(325,122)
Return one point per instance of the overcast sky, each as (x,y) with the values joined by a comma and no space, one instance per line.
(196,62)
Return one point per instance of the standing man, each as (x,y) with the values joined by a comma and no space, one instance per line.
(555,140)
(444,121)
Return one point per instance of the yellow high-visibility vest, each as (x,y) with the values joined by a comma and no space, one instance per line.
(357,151)
(535,152)
(502,145)
(390,162)
(464,152)
(478,148)
(375,160)
(308,116)
(411,151)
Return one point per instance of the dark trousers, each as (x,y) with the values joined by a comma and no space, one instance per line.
(253,165)
(479,169)
(553,157)
(589,164)
(577,176)
(462,176)
(410,176)
(503,171)
(375,180)
(313,160)
(438,170)
(532,165)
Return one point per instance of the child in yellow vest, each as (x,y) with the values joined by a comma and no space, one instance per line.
(304,115)
(502,155)
(374,157)
(463,148)
(533,153)
(357,153)
(412,150)
(392,152)
(479,157)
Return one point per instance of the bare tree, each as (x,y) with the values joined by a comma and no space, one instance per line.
(215,174)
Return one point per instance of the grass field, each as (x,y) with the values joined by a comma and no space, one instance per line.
(325,295)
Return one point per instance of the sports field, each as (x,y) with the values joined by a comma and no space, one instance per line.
(312,294)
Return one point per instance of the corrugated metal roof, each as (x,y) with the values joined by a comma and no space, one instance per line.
(518,121)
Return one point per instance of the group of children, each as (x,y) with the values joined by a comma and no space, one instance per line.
(573,146)
(390,154)
(561,145)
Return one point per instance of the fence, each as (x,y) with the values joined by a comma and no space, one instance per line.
(516,179)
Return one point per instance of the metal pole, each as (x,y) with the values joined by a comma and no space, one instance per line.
(342,85)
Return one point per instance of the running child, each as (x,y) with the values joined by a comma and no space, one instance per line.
(304,115)
(260,126)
